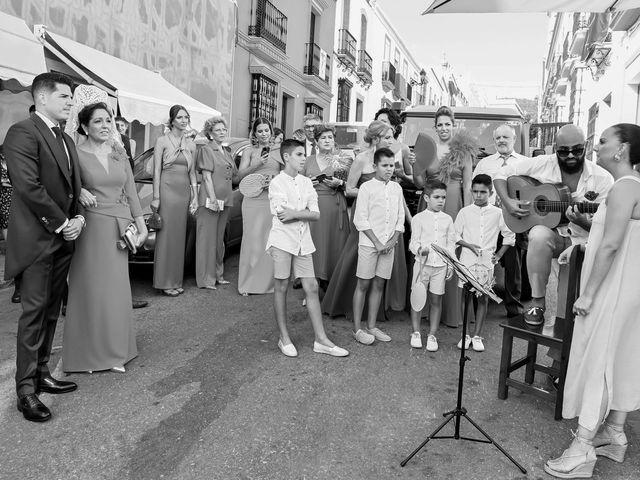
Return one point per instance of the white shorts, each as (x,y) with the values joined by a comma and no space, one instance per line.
(373,264)
(434,278)
(284,261)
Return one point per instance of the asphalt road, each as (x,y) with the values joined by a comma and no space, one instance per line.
(211,397)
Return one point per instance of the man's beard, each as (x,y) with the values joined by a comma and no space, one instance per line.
(571,168)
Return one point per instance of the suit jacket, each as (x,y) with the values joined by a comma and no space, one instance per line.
(126,143)
(45,192)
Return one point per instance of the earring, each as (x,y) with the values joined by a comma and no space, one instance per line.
(616,157)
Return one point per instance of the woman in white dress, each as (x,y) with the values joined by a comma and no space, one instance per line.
(602,379)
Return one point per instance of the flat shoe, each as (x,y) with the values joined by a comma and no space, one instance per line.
(171,292)
(222,281)
(210,287)
(288,350)
(180,290)
(334,351)
(118,370)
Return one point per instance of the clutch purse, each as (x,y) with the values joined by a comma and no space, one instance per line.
(129,238)
(155,221)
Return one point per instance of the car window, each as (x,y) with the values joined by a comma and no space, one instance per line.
(481,129)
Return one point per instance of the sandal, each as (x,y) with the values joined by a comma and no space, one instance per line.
(171,292)
(222,281)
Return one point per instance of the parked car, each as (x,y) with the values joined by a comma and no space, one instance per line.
(143,165)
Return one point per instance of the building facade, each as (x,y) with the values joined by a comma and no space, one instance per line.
(592,71)
(282,65)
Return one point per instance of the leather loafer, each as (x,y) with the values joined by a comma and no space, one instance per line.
(51,385)
(139,303)
(16,297)
(33,409)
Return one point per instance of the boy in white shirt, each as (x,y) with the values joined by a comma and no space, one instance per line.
(294,203)
(379,217)
(477,226)
(431,225)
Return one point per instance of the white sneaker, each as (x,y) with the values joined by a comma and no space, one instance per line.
(478,346)
(363,337)
(379,334)
(288,350)
(416,340)
(432,343)
(467,343)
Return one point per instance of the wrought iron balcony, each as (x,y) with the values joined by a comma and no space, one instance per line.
(346,48)
(271,24)
(317,62)
(365,67)
(388,76)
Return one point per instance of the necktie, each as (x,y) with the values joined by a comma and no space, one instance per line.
(60,141)
(504,159)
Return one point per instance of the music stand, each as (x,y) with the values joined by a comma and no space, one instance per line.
(471,284)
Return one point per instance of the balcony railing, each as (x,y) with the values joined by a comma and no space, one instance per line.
(317,62)
(409,91)
(388,76)
(401,87)
(346,47)
(365,66)
(271,24)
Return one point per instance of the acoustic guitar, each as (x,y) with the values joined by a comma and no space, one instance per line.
(547,203)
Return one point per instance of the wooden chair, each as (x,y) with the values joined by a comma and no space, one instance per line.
(560,338)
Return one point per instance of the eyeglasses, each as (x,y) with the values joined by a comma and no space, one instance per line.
(309,127)
(565,152)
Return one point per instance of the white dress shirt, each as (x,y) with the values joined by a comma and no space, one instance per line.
(310,148)
(492,164)
(429,227)
(379,208)
(481,226)
(545,169)
(296,193)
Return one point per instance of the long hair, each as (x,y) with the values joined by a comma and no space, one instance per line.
(259,121)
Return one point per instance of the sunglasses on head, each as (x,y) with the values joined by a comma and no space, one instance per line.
(565,152)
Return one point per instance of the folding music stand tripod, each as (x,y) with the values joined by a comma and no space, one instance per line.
(471,284)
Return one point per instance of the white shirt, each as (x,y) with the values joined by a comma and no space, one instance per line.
(492,164)
(310,148)
(480,226)
(545,169)
(379,208)
(296,193)
(429,227)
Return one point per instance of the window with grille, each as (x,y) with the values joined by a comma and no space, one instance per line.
(313,108)
(344,99)
(264,98)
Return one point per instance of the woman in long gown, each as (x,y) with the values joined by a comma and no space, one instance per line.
(339,296)
(99,331)
(174,194)
(602,380)
(330,232)
(255,271)
(454,167)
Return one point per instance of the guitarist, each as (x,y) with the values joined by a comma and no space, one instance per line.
(586,181)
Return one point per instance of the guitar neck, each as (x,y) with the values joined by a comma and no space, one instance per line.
(561,206)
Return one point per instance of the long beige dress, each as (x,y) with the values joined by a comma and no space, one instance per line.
(255,269)
(99,331)
(604,350)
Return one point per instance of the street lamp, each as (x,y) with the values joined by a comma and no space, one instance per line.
(423,79)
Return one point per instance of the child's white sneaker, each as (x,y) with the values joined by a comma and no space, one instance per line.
(379,334)
(432,343)
(363,337)
(467,342)
(416,340)
(478,346)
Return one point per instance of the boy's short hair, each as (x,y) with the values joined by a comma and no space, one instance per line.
(433,185)
(483,179)
(289,145)
(382,152)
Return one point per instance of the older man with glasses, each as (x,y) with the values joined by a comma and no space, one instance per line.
(310,121)
(585,180)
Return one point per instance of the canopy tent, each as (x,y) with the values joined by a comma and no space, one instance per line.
(142,95)
(528,6)
(21,56)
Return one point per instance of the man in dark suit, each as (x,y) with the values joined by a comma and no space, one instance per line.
(43,167)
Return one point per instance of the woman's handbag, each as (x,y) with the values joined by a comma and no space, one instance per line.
(129,239)
(155,221)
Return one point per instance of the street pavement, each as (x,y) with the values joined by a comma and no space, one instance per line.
(210,396)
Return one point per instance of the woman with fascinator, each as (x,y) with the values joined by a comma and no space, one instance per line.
(99,331)
(454,166)
(175,193)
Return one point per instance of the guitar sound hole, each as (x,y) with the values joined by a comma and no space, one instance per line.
(539,206)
